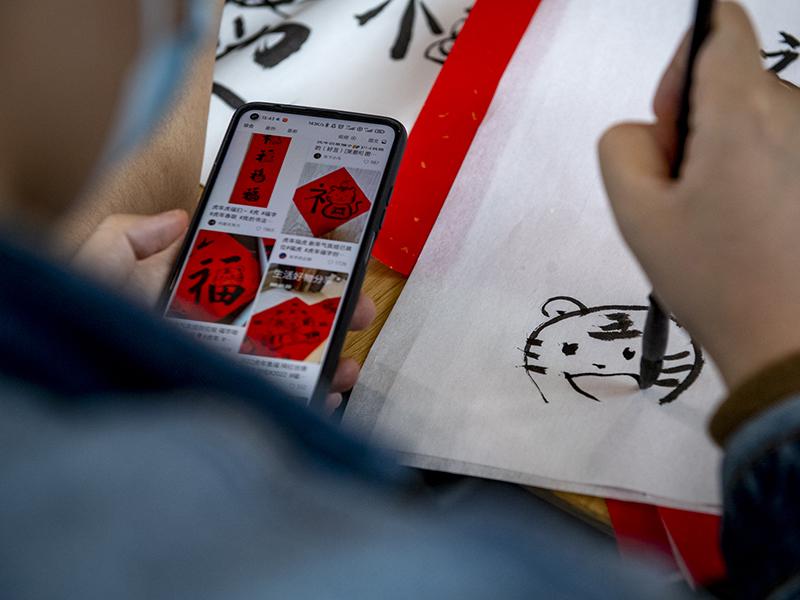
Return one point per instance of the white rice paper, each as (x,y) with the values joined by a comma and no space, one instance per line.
(527,220)
(369,56)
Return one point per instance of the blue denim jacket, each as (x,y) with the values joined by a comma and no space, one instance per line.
(135,463)
(761,487)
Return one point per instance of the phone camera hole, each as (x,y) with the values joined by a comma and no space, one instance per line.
(318,156)
(212,222)
(254,117)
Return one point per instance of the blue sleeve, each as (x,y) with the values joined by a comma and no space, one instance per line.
(761,490)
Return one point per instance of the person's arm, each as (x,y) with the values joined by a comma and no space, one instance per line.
(164,173)
(761,493)
(722,249)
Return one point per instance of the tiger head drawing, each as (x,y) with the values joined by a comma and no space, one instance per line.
(595,353)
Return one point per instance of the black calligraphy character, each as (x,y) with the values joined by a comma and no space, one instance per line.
(226,294)
(342,203)
(293,35)
(238,27)
(257,176)
(227,287)
(251,195)
(339,203)
(202,275)
(227,95)
(403,41)
(292,38)
(787,56)
(439,50)
(320,198)
(620,328)
(266,155)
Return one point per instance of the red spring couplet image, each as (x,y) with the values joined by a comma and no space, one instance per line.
(260,169)
(220,280)
(294,313)
(291,330)
(331,201)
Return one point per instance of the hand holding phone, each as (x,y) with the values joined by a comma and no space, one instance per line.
(274,260)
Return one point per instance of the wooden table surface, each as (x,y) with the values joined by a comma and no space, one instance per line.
(384,286)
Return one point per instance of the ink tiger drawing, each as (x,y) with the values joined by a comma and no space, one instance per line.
(594,353)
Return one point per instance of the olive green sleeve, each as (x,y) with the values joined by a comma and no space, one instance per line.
(768,387)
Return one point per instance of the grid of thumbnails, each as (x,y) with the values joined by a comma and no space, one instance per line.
(267,270)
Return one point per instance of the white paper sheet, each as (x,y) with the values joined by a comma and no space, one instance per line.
(527,220)
(369,56)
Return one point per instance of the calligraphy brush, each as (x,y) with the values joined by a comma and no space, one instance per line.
(656,328)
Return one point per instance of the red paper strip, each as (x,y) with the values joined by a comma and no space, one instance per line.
(687,540)
(447,125)
(331,201)
(260,169)
(695,537)
(640,531)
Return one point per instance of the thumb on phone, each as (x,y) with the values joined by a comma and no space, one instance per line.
(122,243)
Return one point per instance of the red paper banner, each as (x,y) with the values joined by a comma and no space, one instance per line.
(687,540)
(639,531)
(447,125)
(331,201)
(260,169)
(695,537)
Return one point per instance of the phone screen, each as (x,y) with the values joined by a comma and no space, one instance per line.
(268,265)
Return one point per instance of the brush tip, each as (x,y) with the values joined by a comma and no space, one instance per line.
(648,373)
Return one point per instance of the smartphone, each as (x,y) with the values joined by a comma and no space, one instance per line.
(274,260)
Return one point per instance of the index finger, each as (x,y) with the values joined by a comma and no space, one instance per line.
(666,102)
(728,64)
(364,313)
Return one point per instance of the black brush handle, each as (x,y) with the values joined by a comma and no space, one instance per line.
(656,330)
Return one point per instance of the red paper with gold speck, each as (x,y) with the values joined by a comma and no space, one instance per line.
(291,330)
(221,278)
(331,201)
(446,126)
(260,169)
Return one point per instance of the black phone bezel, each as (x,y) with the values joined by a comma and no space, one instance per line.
(350,298)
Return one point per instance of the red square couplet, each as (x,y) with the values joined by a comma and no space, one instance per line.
(331,201)
(291,330)
(221,277)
